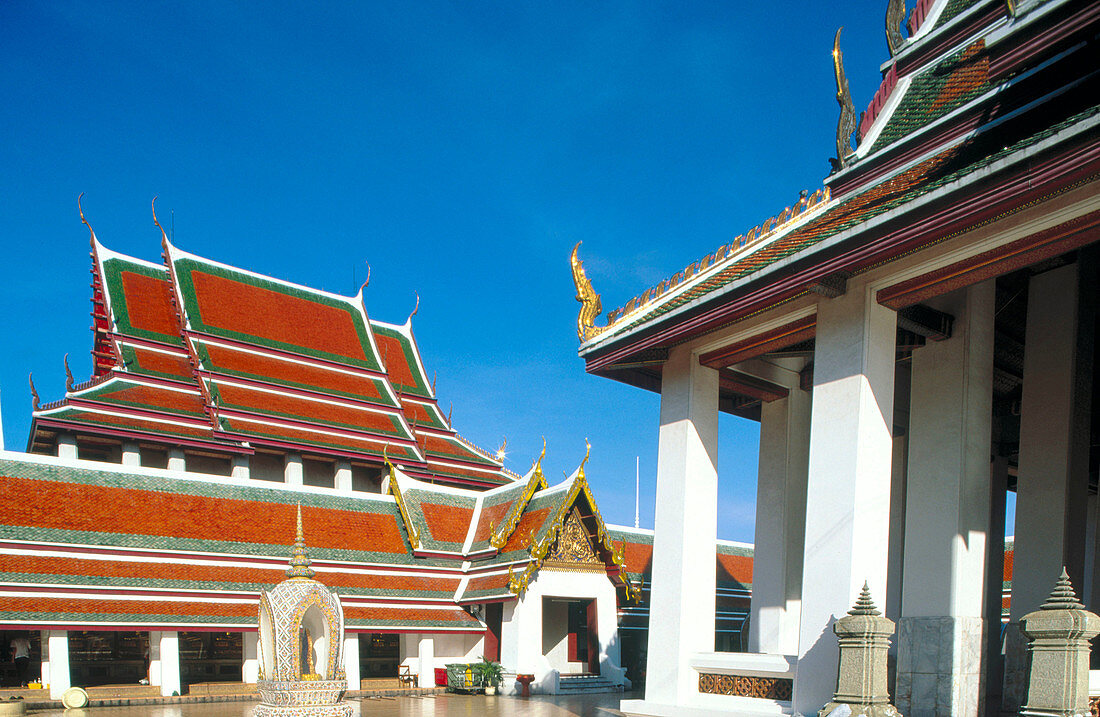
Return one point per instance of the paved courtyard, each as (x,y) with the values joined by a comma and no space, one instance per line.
(601,705)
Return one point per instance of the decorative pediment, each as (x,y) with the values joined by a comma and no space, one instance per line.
(573,548)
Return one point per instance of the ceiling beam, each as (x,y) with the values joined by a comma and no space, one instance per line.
(778,338)
(751,386)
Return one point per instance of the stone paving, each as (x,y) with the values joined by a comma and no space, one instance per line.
(599,705)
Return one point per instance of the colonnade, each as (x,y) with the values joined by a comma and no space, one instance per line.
(911,501)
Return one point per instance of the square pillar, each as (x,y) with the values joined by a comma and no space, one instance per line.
(848,484)
(250,648)
(426,654)
(940,634)
(1052,477)
(154,658)
(177,461)
(131,454)
(59,679)
(351,660)
(342,481)
(170,664)
(240,467)
(682,598)
(66,445)
(293,472)
(780,521)
(994,581)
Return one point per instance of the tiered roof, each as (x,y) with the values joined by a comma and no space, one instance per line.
(987,108)
(194,352)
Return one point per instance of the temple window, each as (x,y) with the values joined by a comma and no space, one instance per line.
(209,464)
(319,472)
(154,457)
(266,466)
(366,478)
(90,450)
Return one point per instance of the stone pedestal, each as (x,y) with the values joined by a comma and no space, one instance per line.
(864,636)
(1058,664)
(940,665)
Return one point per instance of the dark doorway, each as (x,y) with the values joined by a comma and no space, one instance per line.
(494,618)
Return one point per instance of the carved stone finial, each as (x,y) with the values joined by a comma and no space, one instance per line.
(864,604)
(299,560)
(895,17)
(1062,597)
(591,308)
(846,123)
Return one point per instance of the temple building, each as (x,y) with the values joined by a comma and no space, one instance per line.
(916,339)
(157,499)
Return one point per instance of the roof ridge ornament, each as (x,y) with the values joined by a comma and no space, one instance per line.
(367,282)
(415,309)
(34,392)
(846,123)
(299,560)
(69,382)
(895,18)
(164,236)
(587,453)
(84,221)
(591,308)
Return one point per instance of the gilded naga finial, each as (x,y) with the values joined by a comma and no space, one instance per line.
(68,375)
(591,308)
(587,452)
(156,222)
(34,393)
(84,221)
(846,124)
(299,561)
(895,16)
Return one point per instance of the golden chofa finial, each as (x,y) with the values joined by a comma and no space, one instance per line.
(34,392)
(367,282)
(163,236)
(538,461)
(68,375)
(591,308)
(846,124)
(503,450)
(587,452)
(895,16)
(80,208)
(415,309)
(299,560)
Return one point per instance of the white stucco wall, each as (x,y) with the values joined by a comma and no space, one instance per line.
(521,638)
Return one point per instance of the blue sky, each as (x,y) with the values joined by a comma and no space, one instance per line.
(460,148)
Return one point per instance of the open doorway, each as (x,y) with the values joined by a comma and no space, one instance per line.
(569,635)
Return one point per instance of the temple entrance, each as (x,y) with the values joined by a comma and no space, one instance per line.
(210,657)
(108,658)
(378,655)
(569,635)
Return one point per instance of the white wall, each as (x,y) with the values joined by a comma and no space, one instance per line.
(521,647)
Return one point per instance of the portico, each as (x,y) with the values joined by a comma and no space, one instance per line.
(917,343)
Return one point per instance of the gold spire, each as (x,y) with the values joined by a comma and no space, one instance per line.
(846,124)
(299,561)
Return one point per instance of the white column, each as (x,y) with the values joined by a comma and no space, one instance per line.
(240,467)
(994,581)
(169,663)
(250,669)
(59,678)
(940,634)
(343,476)
(780,520)
(66,445)
(351,660)
(177,461)
(686,520)
(1052,477)
(131,454)
(293,472)
(426,653)
(848,488)
(154,658)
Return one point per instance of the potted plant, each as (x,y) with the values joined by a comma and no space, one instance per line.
(490,673)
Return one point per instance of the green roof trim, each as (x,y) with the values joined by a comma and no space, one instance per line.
(113,269)
(184,272)
(419,386)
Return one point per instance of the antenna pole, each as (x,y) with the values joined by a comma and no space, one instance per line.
(637,487)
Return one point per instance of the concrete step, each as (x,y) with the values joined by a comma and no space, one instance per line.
(585,684)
